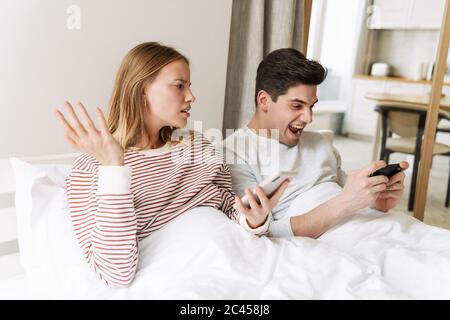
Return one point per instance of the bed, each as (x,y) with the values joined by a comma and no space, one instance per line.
(204,255)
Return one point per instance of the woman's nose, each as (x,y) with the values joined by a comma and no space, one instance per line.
(190,97)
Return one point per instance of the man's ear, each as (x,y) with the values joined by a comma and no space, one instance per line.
(262,100)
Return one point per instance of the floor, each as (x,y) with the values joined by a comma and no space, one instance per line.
(356,153)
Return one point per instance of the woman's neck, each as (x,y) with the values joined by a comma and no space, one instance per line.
(152,140)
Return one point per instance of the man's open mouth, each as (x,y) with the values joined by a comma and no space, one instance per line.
(296,129)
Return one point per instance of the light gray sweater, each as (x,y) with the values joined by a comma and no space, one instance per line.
(252,158)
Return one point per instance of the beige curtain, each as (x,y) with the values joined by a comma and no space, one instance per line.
(257,28)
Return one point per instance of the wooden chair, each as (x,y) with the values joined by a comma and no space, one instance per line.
(402,132)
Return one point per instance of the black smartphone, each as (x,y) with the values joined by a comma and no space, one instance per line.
(388,171)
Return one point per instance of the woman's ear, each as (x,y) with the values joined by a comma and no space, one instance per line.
(144,99)
(262,100)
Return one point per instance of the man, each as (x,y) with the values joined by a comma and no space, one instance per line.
(274,139)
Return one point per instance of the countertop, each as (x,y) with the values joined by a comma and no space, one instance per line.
(395,79)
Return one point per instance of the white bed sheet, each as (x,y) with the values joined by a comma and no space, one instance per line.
(203,255)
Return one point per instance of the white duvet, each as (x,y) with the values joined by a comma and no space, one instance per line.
(203,255)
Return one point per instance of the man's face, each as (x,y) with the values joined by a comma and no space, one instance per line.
(291,113)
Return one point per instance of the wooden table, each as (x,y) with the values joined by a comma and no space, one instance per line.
(402,100)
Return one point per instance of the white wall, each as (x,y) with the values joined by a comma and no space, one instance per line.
(43,63)
(405,49)
(338,47)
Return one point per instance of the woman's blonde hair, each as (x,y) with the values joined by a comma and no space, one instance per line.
(126,108)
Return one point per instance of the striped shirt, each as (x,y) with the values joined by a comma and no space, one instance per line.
(112,208)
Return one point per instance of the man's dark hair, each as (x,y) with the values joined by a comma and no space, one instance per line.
(284,68)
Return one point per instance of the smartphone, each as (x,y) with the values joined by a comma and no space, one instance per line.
(270,185)
(388,171)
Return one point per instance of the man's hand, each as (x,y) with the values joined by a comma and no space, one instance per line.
(360,190)
(257,214)
(389,198)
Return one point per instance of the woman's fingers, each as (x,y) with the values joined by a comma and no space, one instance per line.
(76,132)
(251,199)
(278,193)
(78,126)
(240,205)
(101,119)
(69,130)
(72,142)
(87,119)
(265,202)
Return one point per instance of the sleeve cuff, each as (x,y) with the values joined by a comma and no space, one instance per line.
(258,231)
(114,180)
(281,228)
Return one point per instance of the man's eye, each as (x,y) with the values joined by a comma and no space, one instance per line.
(179,86)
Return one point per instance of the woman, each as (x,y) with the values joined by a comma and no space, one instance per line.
(133,176)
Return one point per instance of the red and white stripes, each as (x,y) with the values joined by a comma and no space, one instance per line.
(112,208)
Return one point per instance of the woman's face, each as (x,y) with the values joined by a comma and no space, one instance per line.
(169,97)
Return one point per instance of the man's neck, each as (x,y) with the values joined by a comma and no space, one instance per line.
(257,125)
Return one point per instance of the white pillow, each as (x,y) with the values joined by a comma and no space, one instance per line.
(49,252)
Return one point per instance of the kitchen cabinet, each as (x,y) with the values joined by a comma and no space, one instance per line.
(388,14)
(361,118)
(404,88)
(445,90)
(406,14)
(425,14)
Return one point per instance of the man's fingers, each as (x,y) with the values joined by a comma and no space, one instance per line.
(378,180)
(378,188)
(371,168)
(395,186)
(404,165)
(396,178)
(390,194)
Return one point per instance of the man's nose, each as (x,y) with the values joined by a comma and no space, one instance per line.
(306,116)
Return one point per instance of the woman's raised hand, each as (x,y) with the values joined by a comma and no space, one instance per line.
(87,138)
